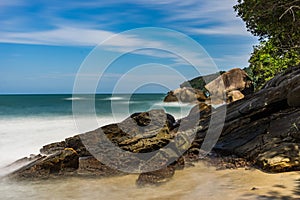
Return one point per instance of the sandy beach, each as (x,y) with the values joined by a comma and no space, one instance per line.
(199,182)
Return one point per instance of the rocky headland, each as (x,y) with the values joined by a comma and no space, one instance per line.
(226,86)
(261,129)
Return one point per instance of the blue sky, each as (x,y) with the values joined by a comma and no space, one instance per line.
(43,43)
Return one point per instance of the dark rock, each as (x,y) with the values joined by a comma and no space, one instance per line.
(145,118)
(56,164)
(294,97)
(145,132)
(76,144)
(291,73)
(53,148)
(162,175)
(171,97)
(263,128)
(156,177)
(90,166)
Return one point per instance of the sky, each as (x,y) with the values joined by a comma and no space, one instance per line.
(44,44)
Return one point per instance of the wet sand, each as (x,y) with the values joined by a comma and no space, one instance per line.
(199,182)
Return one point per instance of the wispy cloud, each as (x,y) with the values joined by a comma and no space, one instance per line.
(61,36)
(123,43)
(200,17)
(232,30)
(191,16)
(59,75)
(51,24)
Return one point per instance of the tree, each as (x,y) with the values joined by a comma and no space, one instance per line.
(276,23)
(267,60)
(278,20)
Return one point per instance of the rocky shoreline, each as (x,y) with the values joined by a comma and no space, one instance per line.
(261,130)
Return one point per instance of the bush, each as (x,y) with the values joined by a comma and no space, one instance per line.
(267,61)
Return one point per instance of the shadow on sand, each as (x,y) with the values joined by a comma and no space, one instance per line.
(277,195)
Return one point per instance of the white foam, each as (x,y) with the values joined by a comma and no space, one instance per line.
(115,98)
(74,98)
(181,109)
(173,104)
(129,102)
(21,137)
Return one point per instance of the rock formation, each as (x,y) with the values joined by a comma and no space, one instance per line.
(263,128)
(185,95)
(234,85)
(228,87)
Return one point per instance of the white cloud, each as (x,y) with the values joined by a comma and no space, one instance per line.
(210,18)
(81,37)
(61,36)
(232,30)
(123,43)
(193,17)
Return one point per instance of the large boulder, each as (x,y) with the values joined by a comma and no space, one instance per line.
(144,132)
(234,95)
(234,80)
(171,97)
(185,95)
(226,88)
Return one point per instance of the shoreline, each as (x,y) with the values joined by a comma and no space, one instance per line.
(251,135)
(200,181)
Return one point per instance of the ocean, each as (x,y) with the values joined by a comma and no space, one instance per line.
(27,122)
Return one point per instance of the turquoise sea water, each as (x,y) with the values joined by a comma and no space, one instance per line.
(61,104)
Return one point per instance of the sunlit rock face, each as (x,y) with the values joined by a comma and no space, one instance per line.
(230,86)
(185,95)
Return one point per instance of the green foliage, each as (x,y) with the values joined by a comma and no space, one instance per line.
(199,82)
(249,72)
(278,20)
(267,61)
(276,23)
